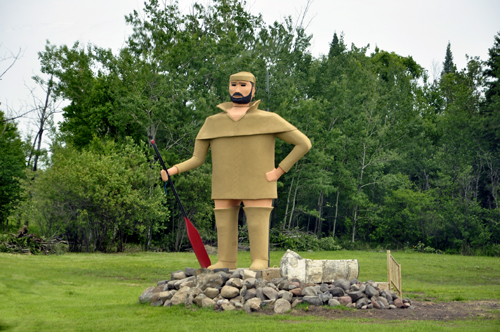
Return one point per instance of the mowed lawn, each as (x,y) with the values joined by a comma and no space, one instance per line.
(99,292)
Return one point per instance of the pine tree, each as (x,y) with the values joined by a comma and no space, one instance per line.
(448,65)
(492,73)
(336,46)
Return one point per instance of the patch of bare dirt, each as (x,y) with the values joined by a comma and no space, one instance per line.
(422,310)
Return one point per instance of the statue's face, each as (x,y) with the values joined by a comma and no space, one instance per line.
(241,92)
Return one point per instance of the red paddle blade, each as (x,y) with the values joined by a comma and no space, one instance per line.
(197,244)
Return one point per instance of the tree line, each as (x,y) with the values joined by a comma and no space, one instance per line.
(399,159)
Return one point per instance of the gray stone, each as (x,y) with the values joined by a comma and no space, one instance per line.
(194,291)
(353,281)
(243,291)
(208,280)
(163,282)
(238,305)
(178,284)
(362,288)
(337,291)
(383,301)
(224,275)
(250,283)
(276,281)
(284,285)
(342,283)
(237,299)
(260,293)
(249,274)
(295,302)
(235,282)
(164,296)
(146,295)
(250,294)
(392,306)
(324,288)
(355,296)
(211,292)
(221,269)
(156,303)
(406,300)
(315,300)
(371,291)
(167,303)
(201,271)
(171,284)
(189,284)
(309,291)
(361,302)
(190,271)
(273,286)
(333,303)
(267,303)
(325,297)
(237,274)
(354,288)
(228,307)
(189,300)
(229,292)
(287,296)
(207,302)
(221,302)
(180,296)
(198,299)
(281,306)
(178,275)
(253,304)
(270,293)
(260,283)
(281,292)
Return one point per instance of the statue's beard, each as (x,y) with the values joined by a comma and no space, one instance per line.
(242,99)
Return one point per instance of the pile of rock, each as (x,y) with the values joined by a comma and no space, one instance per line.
(242,289)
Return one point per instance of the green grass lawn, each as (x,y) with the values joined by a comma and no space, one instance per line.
(98,292)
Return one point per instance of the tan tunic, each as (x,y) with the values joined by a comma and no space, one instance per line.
(243,152)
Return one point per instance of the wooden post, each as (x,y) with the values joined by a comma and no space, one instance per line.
(389,268)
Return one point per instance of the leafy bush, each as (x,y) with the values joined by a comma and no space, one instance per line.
(96,197)
(301,241)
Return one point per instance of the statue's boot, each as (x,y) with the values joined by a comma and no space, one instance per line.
(226,221)
(258,233)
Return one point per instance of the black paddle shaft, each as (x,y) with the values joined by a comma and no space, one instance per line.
(169,180)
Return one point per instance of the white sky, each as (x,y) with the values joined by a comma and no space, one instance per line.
(420,28)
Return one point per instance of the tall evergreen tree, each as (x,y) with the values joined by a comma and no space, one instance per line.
(448,65)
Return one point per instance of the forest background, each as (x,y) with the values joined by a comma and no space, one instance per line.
(399,160)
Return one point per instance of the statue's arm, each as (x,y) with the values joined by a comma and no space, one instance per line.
(302,145)
(198,158)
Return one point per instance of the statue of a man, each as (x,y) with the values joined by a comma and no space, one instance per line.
(242,141)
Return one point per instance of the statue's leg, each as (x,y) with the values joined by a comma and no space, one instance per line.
(258,233)
(226,220)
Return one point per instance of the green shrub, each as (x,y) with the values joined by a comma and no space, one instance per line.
(301,241)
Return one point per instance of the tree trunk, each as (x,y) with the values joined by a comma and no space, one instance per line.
(336,213)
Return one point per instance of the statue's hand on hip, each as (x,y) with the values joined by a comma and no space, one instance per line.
(275,174)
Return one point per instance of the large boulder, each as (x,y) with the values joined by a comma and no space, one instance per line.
(317,271)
